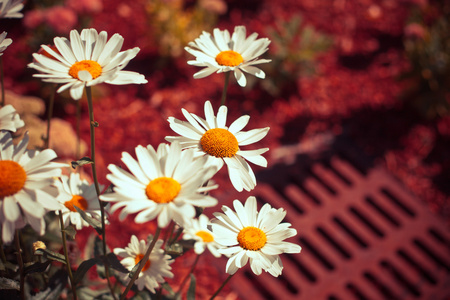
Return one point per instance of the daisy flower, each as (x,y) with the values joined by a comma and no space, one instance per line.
(255,236)
(157,266)
(26,193)
(77,192)
(166,184)
(220,53)
(198,231)
(4,43)
(86,60)
(11,8)
(9,119)
(221,144)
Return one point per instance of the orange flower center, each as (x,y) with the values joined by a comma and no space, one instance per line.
(219,142)
(205,236)
(251,238)
(91,66)
(12,178)
(162,189)
(138,258)
(77,201)
(229,58)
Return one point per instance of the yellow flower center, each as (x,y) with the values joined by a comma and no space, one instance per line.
(229,58)
(91,66)
(251,238)
(12,178)
(78,201)
(205,236)
(219,142)
(138,258)
(163,189)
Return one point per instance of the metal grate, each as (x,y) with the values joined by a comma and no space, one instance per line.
(363,235)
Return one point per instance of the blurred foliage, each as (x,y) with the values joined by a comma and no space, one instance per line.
(175,23)
(428,49)
(294,50)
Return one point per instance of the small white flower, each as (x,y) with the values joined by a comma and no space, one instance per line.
(86,60)
(77,192)
(198,231)
(249,235)
(221,144)
(26,193)
(222,53)
(9,119)
(155,268)
(164,184)
(4,42)
(11,8)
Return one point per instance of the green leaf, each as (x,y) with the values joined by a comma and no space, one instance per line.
(37,267)
(83,268)
(70,231)
(191,291)
(176,249)
(96,224)
(168,288)
(114,262)
(81,162)
(51,255)
(55,287)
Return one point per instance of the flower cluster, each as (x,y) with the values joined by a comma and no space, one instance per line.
(171,184)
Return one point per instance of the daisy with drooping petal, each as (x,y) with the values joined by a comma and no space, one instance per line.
(9,119)
(198,231)
(77,192)
(222,53)
(26,193)
(221,144)
(157,266)
(11,8)
(164,184)
(4,42)
(86,60)
(255,236)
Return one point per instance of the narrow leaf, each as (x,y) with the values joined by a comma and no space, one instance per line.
(191,291)
(96,224)
(51,255)
(70,231)
(9,284)
(37,267)
(114,262)
(81,162)
(83,268)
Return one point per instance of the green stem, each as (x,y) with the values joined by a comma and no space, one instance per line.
(141,264)
(49,116)
(188,275)
(66,255)
(221,287)
(21,268)
(94,124)
(225,87)
(2,81)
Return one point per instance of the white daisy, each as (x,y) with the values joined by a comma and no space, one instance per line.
(154,269)
(86,60)
(220,53)
(198,231)
(221,144)
(77,192)
(255,236)
(9,119)
(166,184)
(4,43)
(25,185)
(11,8)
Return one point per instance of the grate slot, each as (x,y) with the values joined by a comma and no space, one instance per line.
(421,270)
(333,297)
(398,203)
(382,212)
(262,290)
(288,285)
(365,220)
(438,237)
(343,252)
(309,275)
(322,182)
(312,198)
(377,284)
(344,179)
(438,260)
(356,292)
(305,243)
(352,234)
(396,274)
